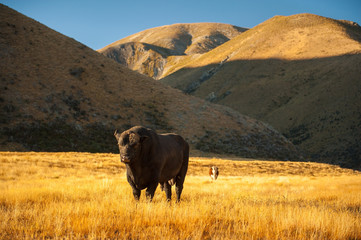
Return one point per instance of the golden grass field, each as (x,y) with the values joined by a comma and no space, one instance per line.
(83,195)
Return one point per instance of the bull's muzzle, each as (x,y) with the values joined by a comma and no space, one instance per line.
(124,159)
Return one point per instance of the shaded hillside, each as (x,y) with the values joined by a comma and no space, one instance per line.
(301,74)
(59,95)
(152,51)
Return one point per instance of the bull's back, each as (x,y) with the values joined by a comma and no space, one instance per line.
(173,143)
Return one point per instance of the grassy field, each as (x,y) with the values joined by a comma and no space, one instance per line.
(83,195)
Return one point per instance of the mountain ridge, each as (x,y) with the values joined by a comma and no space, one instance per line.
(298,73)
(178,40)
(59,95)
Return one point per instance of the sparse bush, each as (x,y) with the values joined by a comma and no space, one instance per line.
(298,134)
(76,72)
(9,108)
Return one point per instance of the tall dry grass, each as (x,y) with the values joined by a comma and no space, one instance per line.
(82,195)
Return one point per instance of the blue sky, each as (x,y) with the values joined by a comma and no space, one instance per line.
(99,23)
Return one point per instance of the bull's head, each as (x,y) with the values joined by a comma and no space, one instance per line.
(129,146)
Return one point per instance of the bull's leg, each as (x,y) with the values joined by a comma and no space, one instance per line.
(136,191)
(151,190)
(136,194)
(161,186)
(178,190)
(168,190)
(179,184)
(181,176)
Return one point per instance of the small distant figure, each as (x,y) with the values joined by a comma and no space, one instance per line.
(213,173)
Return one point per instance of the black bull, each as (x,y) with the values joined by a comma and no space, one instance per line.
(152,158)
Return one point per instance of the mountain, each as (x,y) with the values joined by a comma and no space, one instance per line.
(59,95)
(153,51)
(301,74)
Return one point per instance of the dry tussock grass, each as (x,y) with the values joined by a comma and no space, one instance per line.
(82,195)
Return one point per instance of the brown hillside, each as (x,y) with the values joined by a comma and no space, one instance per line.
(59,95)
(301,74)
(150,52)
